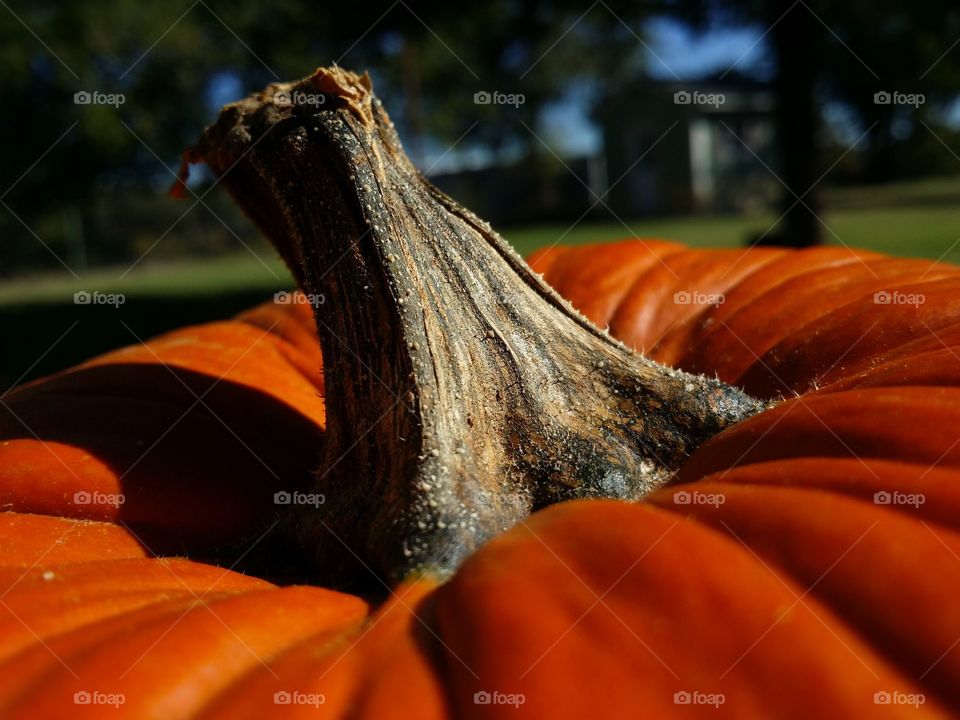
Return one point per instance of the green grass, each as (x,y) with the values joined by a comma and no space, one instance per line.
(52,332)
(189,277)
(928,232)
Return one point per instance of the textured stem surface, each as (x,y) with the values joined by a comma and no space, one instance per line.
(463,393)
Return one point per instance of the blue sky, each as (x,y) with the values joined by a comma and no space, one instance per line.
(675,52)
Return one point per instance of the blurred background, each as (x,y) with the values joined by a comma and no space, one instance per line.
(715,123)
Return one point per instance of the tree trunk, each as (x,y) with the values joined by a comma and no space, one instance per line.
(795,40)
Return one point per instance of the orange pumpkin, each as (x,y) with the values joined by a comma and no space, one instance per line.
(166,427)
(803,564)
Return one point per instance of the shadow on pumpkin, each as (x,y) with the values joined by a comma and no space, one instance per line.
(133,444)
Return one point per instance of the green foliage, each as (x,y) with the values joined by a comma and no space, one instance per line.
(176,62)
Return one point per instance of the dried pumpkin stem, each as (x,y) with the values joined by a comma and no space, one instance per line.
(463,393)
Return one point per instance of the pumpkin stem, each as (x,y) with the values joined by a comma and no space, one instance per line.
(463,393)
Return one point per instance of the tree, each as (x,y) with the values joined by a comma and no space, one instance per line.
(843,53)
(172,65)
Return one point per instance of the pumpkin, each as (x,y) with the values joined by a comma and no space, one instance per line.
(801,561)
(145,417)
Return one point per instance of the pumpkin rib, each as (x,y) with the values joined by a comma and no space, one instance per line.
(811,352)
(221,634)
(541,622)
(916,648)
(292,322)
(69,619)
(27,672)
(28,539)
(597,279)
(37,605)
(769,273)
(224,351)
(859,478)
(934,368)
(650,306)
(356,673)
(947,338)
(102,409)
(841,424)
(252,696)
(790,307)
(807,262)
(708,349)
(148,448)
(542,260)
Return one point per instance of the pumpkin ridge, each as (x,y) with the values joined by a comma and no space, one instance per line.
(895,643)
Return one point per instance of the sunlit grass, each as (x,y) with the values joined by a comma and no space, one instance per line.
(928,232)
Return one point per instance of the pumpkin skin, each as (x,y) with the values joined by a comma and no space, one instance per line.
(167,424)
(796,596)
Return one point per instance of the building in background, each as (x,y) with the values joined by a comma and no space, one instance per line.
(669,148)
(701,146)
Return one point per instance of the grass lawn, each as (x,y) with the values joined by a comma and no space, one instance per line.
(929,232)
(52,332)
